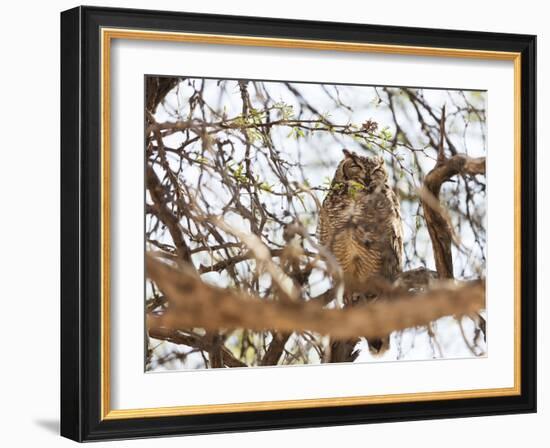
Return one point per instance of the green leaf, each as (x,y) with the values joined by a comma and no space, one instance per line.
(266,187)
(296,132)
(354,188)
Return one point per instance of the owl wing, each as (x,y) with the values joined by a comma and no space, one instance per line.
(396,238)
(323,224)
(382,230)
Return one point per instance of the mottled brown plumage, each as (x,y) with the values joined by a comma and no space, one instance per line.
(360,223)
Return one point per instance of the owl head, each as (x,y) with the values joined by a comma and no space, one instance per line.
(368,171)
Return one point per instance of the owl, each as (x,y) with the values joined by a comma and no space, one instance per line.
(360,223)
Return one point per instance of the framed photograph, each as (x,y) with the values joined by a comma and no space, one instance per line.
(276,224)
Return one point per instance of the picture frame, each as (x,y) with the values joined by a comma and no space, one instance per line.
(86,212)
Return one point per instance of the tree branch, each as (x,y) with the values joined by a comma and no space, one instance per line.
(438,227)
(194,303)
(174,336)
(275,350)
(165,215)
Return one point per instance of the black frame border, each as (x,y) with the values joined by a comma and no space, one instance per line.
(81,223)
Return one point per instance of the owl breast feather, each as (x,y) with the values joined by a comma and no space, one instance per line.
(359,231)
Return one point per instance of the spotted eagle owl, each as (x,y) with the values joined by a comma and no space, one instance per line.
(360,223)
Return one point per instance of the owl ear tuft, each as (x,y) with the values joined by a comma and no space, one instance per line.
(347,153)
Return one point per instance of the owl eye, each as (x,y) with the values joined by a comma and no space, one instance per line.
(351,170)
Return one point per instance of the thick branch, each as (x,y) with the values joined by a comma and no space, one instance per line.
(438,227)
(194,303)
(275,350)
(156,89)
